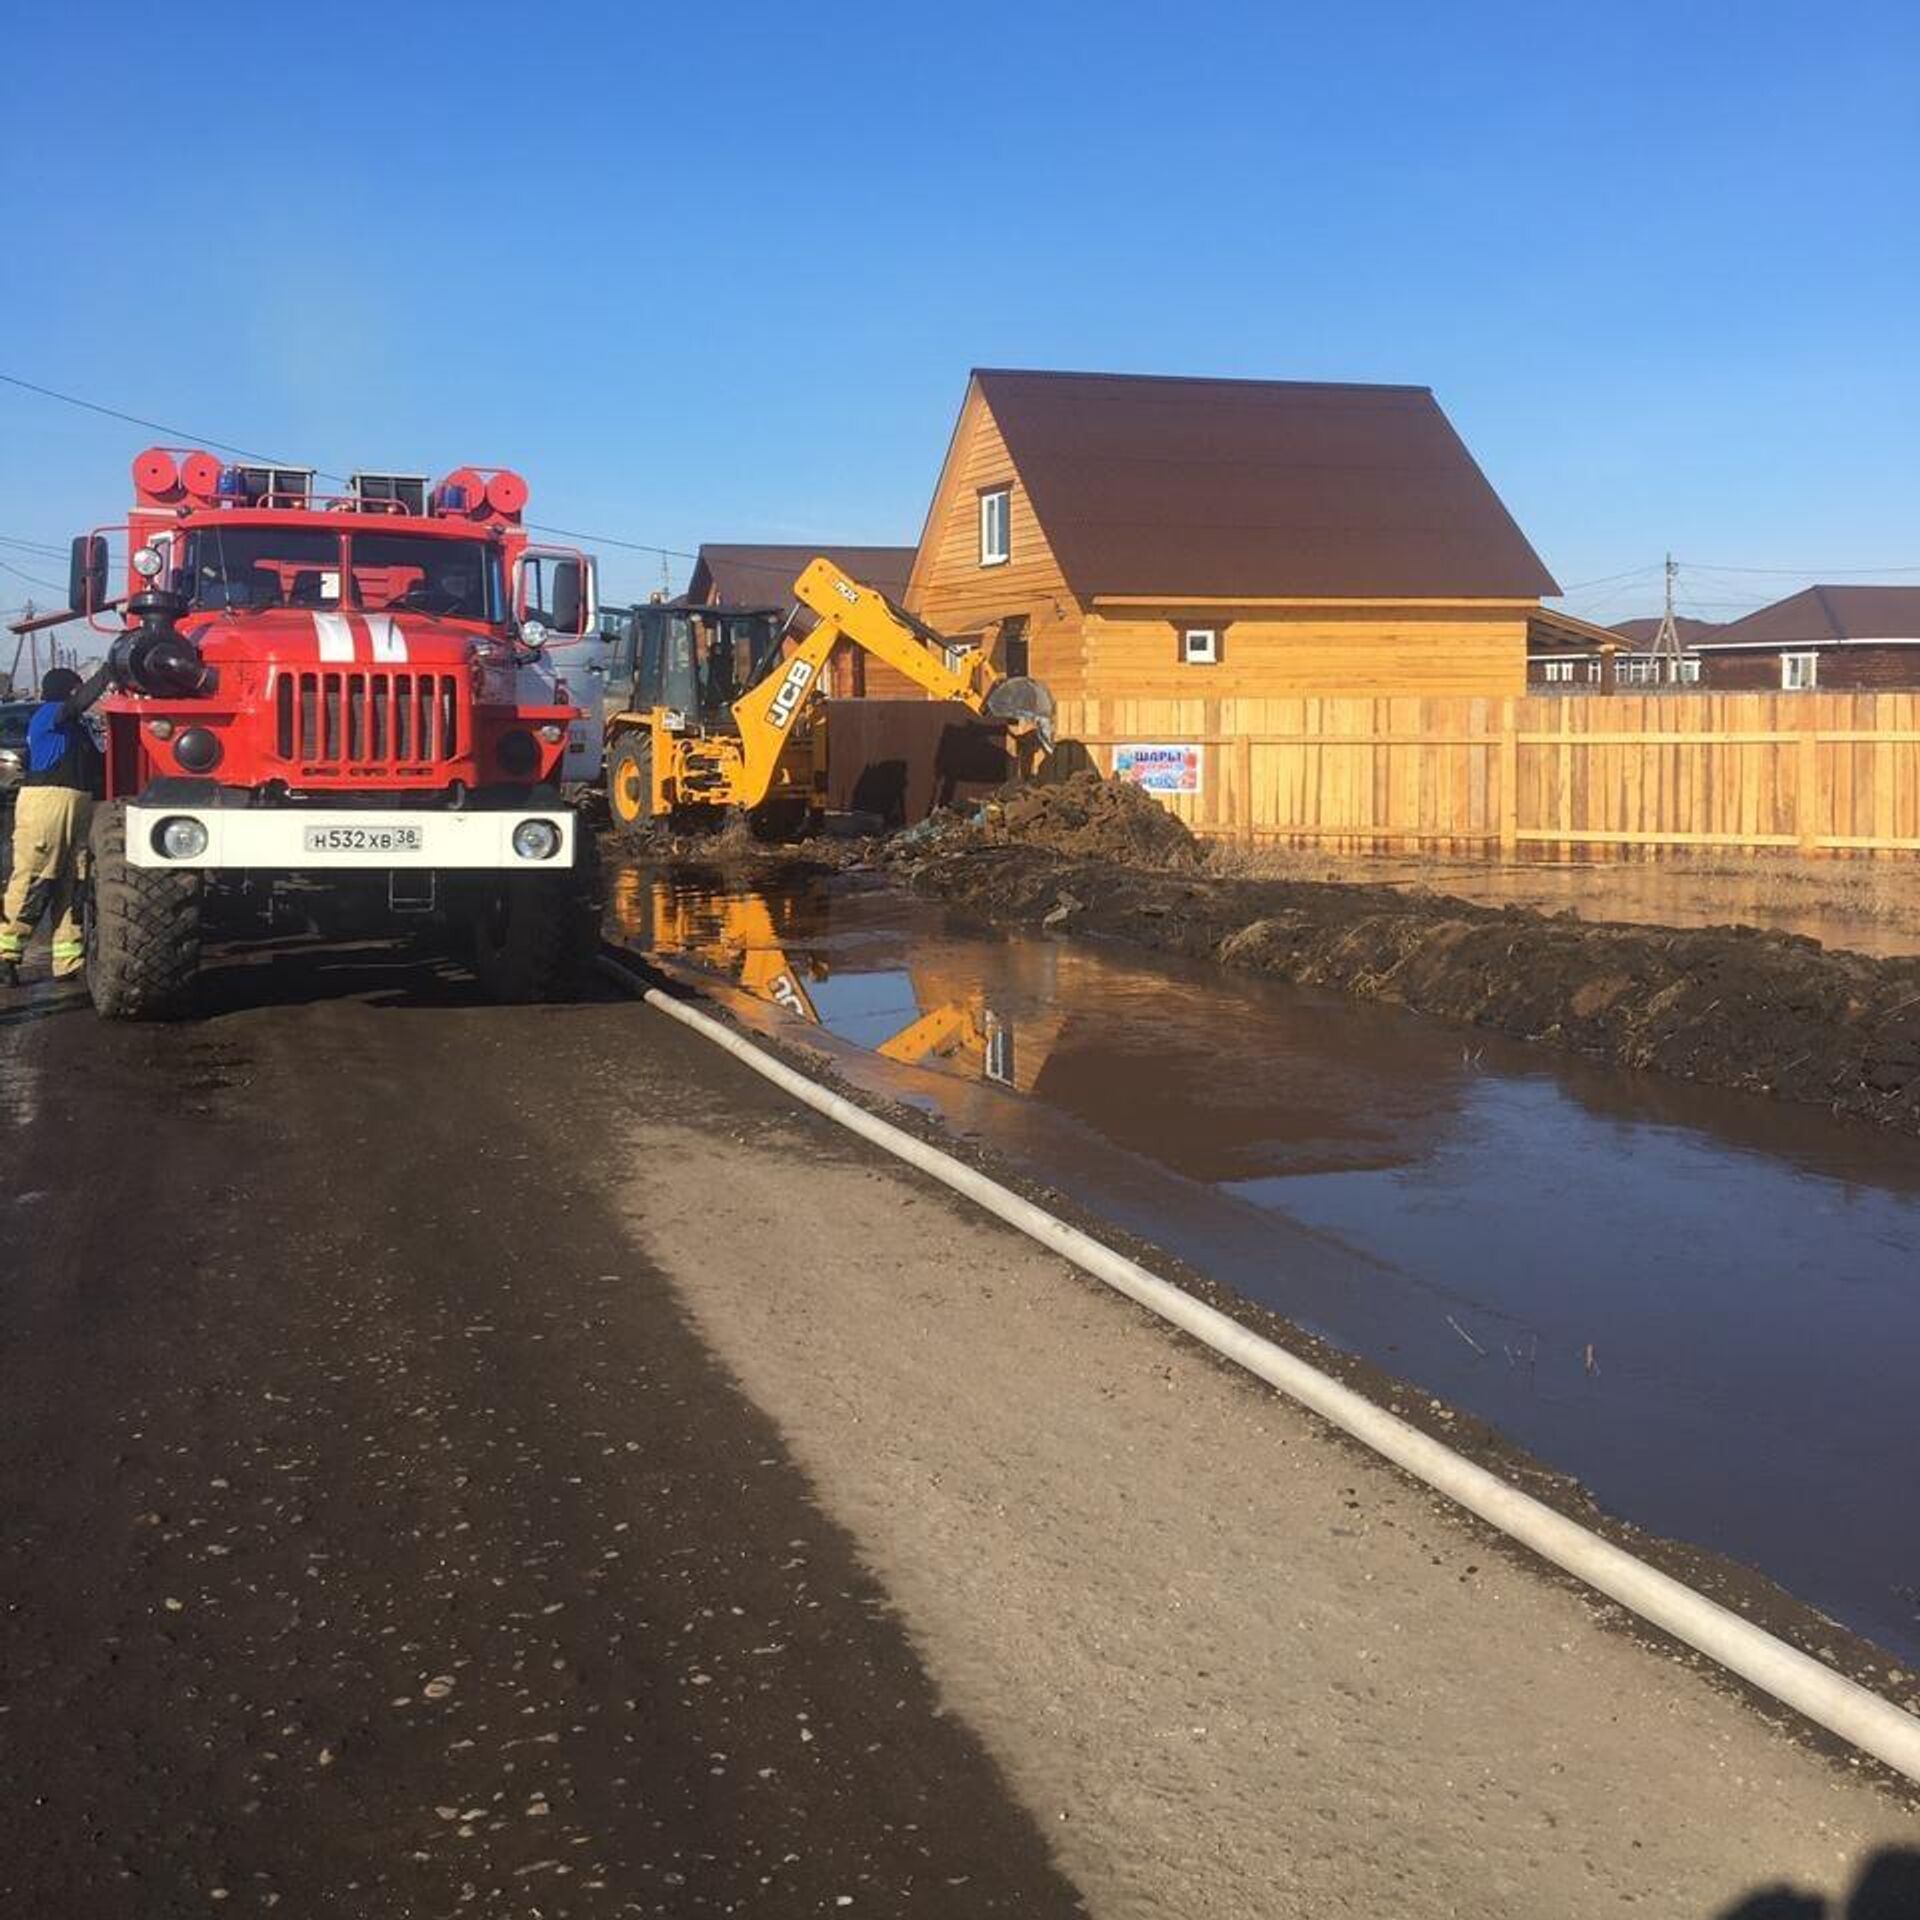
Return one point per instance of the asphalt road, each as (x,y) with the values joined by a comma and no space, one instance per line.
(462,1460)
(380,1540)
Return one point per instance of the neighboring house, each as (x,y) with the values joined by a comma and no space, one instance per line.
(1832,639)
(1126,536)
(1568,655)
(763,576)
(1565,654)
(758,577)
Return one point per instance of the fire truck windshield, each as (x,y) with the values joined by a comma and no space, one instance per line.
(253,568)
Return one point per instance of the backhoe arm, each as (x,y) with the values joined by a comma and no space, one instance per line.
(849,612)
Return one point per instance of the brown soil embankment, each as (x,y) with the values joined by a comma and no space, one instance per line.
(1729,1006)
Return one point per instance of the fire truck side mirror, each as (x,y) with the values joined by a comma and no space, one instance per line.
(569,601)
(551,591)
(87,574)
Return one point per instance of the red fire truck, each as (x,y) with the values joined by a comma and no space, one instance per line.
(337,709)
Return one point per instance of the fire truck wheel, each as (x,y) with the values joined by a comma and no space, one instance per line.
(630,782)
(536,936)
(142,928)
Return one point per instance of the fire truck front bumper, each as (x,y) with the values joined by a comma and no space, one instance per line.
(306,839)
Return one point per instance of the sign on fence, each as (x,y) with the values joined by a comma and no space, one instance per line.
(1162,769)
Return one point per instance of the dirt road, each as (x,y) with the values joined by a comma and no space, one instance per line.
(503,1461)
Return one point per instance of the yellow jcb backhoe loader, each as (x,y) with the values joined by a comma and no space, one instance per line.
(671,753)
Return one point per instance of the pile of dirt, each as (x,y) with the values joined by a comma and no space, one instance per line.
(1730,1006)
(1085,815)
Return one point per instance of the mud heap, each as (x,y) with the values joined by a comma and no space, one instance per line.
(1087,817)
(1730,1006)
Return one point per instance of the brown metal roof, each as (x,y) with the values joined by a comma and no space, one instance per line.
(1640,632)
(763,576)
(1257,489)
(1826,616)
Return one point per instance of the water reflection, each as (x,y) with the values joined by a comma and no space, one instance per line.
(1701,1303)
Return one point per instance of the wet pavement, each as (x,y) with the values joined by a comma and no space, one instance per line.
(381,1539)
(1702,1304)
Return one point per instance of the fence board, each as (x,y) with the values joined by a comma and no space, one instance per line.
(1817,771)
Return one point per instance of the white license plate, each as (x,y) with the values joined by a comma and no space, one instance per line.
(364,839)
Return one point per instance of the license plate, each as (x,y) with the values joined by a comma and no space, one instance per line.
(365,839)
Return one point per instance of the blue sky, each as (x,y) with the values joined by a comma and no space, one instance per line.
(719,272)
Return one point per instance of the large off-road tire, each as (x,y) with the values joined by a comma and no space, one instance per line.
(630,783)
(142,928)
(535,935)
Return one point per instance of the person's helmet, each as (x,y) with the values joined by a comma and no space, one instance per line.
(58,682)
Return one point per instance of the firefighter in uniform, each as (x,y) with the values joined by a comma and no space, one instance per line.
(52,811)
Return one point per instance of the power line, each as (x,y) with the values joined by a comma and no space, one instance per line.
(52,586)
(1607,579)
(1804,573)
(153,426)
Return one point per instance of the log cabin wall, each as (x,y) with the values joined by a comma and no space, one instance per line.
(1271,653)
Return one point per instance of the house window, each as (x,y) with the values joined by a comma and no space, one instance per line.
(1556,670)
(1596,671)
(1200,646)
(996,530)
(1640,672)
(1013,646)
(1799,672)
(1690,672)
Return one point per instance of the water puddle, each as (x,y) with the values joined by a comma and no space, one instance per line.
(1702,1304)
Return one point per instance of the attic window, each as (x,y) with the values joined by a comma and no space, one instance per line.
(1200,646)
(996,530)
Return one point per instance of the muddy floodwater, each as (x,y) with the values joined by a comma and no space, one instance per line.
(1704,1305)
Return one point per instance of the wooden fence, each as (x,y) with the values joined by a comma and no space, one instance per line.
(1811,772)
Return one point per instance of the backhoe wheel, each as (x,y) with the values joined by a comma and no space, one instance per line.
(142,928)
(630,782)
(536,933)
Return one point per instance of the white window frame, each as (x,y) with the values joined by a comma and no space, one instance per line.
(1810,662)
(1199,646)
(990,499)
(1687,672)
(1556,672)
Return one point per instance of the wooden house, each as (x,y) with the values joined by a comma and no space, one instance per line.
(1132,537)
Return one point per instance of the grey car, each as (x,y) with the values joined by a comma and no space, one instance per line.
(14,715)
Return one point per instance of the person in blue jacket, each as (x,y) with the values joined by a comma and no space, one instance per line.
(65,774)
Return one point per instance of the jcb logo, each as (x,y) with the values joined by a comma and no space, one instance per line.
(799,677)
(847,592)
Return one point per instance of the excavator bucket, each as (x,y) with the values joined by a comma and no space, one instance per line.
(1024,703)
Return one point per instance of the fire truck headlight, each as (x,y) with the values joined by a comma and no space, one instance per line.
(179,837)
(536,839)
(198,749)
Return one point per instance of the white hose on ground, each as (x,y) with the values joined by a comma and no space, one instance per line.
(1841,1706)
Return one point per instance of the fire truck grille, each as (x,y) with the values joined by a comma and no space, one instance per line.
(367,722)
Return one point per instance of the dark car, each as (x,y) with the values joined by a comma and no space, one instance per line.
(14,716)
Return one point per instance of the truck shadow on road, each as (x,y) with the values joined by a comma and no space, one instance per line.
(384,974)
(1888,1889)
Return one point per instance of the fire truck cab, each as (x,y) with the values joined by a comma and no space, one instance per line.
(348,708)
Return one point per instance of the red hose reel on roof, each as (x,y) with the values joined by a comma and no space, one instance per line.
(165,475)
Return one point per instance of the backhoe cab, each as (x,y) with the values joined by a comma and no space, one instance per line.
(734,724)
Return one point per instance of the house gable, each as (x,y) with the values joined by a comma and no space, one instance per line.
(951,591)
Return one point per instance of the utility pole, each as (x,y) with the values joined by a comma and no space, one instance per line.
(1666,641)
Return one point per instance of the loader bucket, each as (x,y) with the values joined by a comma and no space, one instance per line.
(1026,704)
